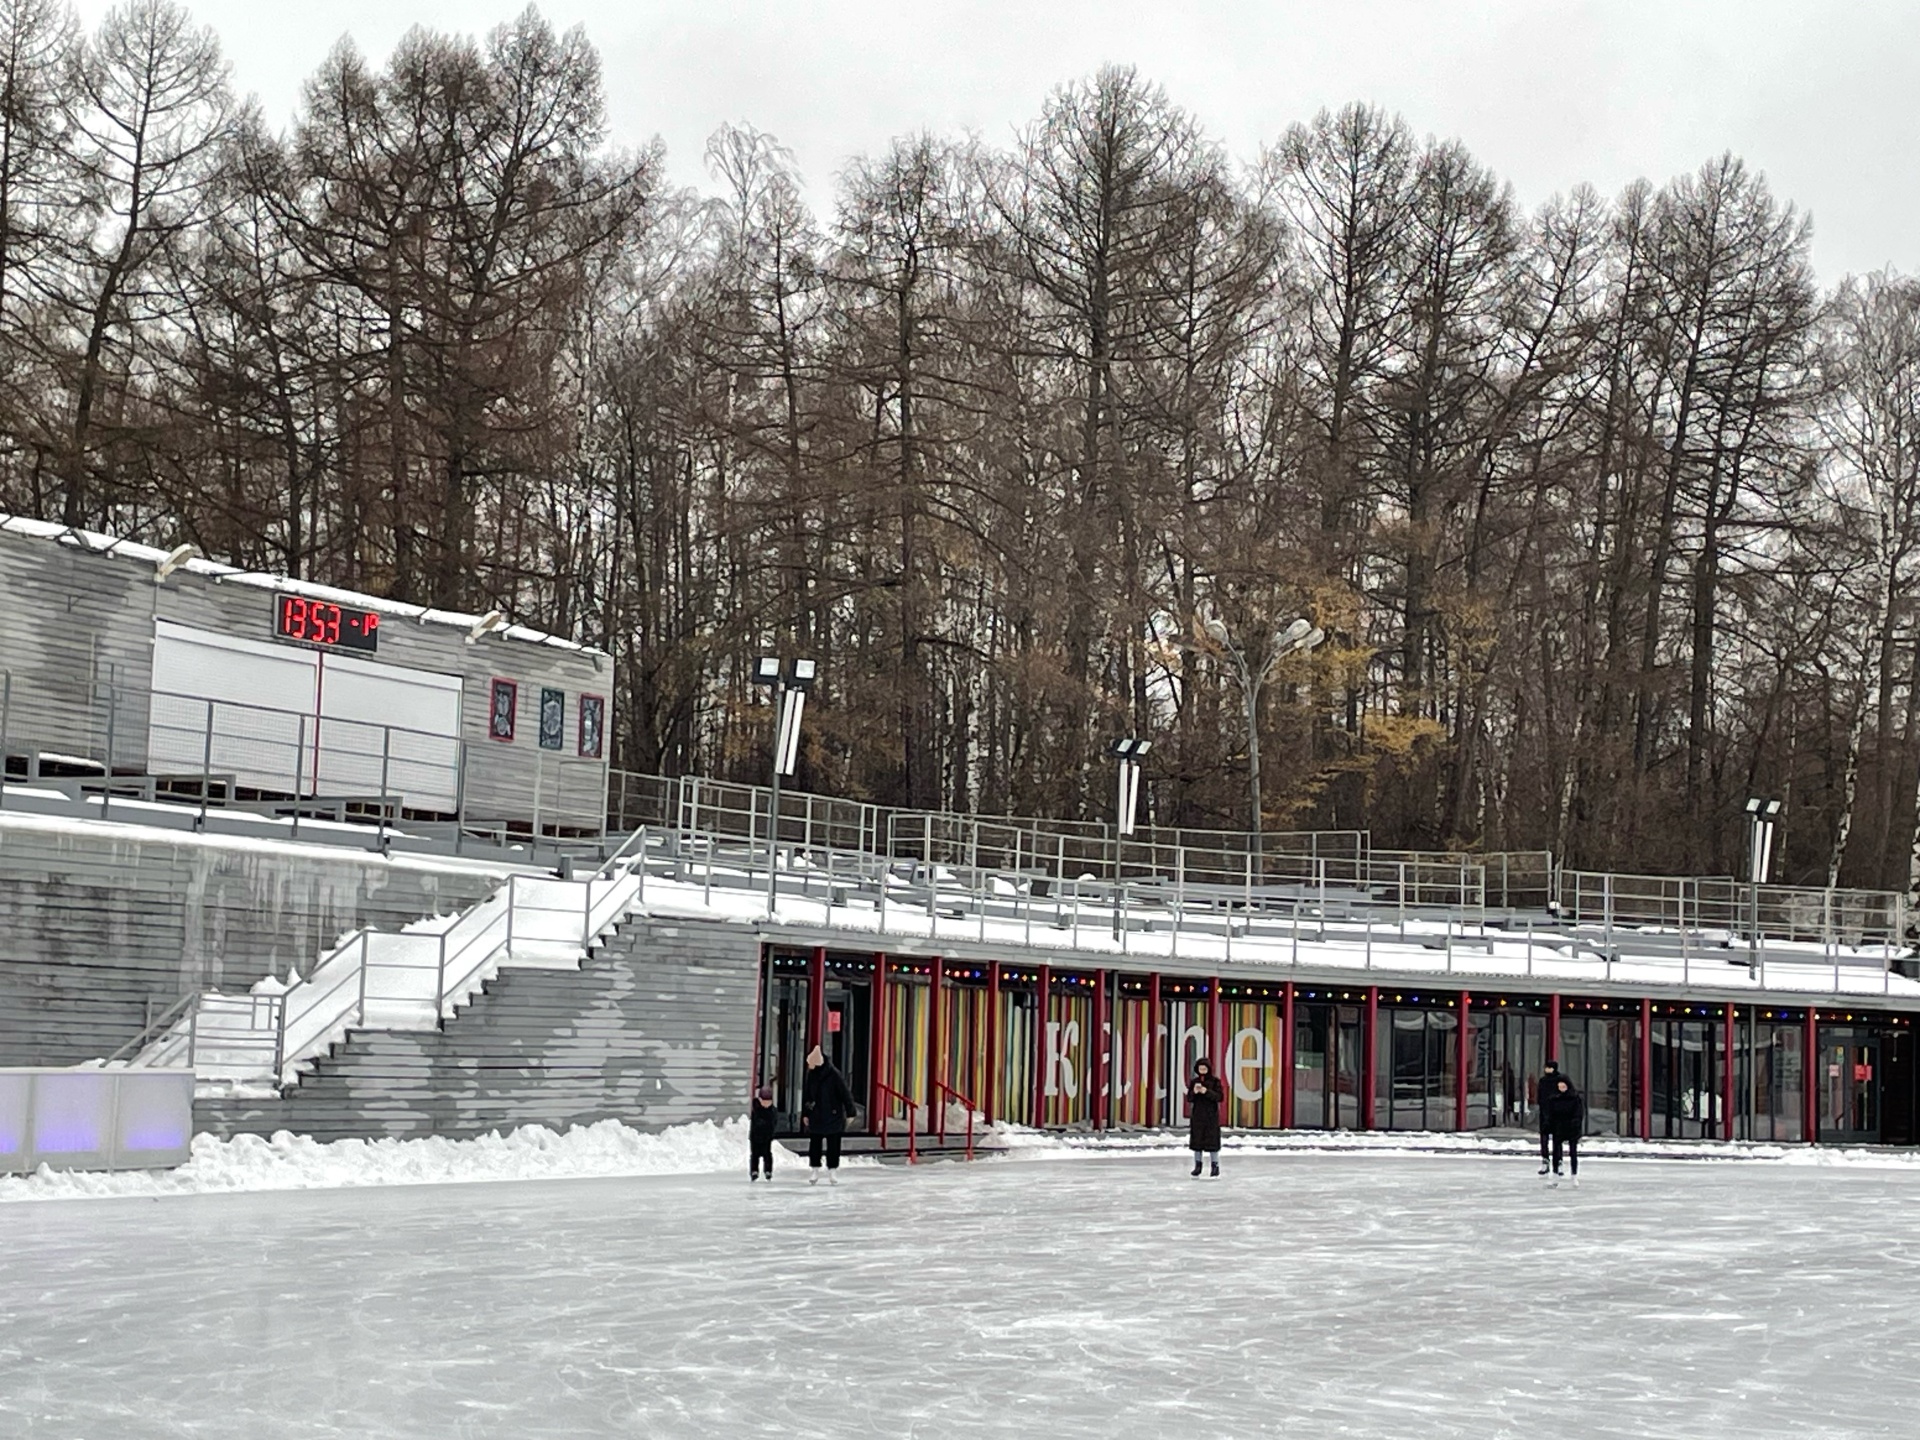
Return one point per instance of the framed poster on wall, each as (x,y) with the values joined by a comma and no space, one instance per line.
(593,724)
(553,719)
(503,709)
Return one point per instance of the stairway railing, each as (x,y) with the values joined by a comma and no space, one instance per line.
(886,1116)
(941,1087)
(410,980)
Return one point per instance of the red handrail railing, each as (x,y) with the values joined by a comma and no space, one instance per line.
(886,1115)
(941,1087)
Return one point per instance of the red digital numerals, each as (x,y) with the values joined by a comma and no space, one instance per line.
(321,622)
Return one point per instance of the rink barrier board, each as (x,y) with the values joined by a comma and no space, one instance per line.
(83,1119)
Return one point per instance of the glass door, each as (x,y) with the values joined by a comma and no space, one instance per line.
(1849,1089)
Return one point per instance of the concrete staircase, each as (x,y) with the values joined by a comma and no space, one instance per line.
(654,1028)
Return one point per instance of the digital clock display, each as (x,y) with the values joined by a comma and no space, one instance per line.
(321,622)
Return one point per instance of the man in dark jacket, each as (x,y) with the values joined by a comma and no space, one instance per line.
(825,1107)
(1563,1117)
(760,1120)
(1549,1077)
(1204,1099)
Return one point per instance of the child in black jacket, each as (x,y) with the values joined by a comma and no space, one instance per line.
(760,1133)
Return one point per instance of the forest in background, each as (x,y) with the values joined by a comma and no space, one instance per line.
(1608,509)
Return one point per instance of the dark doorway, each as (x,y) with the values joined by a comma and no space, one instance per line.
(1897,1086)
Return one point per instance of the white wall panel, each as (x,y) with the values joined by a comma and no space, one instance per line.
(257,689)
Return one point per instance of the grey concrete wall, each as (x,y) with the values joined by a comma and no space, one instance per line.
(655,1029)
(103,924)
(75,624)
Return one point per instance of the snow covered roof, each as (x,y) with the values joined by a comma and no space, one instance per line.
(124,549)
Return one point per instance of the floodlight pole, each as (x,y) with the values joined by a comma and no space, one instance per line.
(773,816)
(789,682)
(1760,823)
(1126,809)
(1302,634)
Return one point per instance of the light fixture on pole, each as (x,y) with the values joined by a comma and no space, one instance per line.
(1762,817)
(1300,634)
(789,683)
(1129,753)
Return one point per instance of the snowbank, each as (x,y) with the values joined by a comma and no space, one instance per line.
(1025,1144)
(294,1162)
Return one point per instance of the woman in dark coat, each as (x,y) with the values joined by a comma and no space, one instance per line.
(1563,1118)
(1204,1099)
(825,1107)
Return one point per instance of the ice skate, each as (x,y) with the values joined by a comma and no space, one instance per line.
(1216,1170)
(814,1178)
(1543,1167)
(1196,1168)
(832,1178)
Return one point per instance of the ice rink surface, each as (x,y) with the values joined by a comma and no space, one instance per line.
(1305,1296)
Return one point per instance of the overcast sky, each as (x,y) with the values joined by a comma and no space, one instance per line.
(1821,95)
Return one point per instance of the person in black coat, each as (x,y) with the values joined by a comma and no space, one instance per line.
(825,1107)
(1204,1099)
(1563,1117)
(1550,1076)
(760,1118)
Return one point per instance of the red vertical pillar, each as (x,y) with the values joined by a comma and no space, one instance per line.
(1286,1057)
(1646,1069)
(1553,1027)
(877,1042)
(1728,1129)
(936,1047)
(1156,1113)
(990,1101)
(761,984)
(817,997)
(1811,1100)
(1370,1057)
(1040,1046)
(1101,1085)
(1465,1039)
(1217,1029)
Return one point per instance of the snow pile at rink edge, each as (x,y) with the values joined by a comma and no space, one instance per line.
(296,1162)
(609,1149)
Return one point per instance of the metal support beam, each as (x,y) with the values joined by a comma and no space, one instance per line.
(1464,1041)
(1646,1069)
(1102,1084)
(937,1047)
(877,1040)
(1728,1130)
(990,1102)
(1810,1101)
(1040,1046)
(1370,1058)
(1287,1042)
(817,997)
(1156,1047)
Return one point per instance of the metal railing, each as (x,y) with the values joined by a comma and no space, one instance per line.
(1400,915)
(942,1089)
(373,780)
(411,980)
(888,1093)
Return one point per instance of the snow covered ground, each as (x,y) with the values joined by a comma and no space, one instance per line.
(1065,1294)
